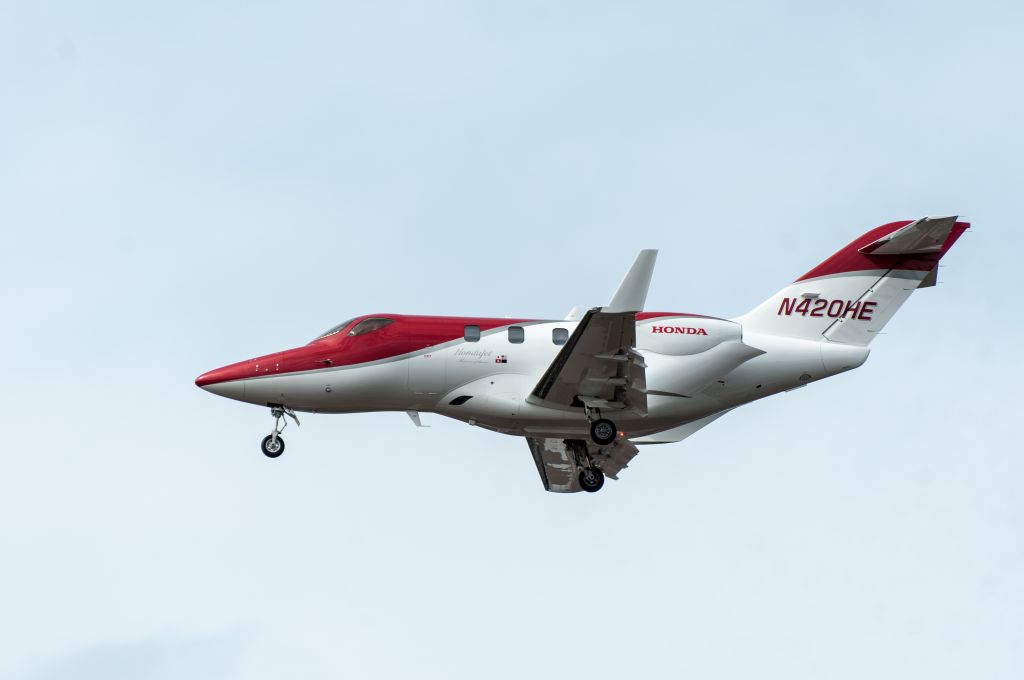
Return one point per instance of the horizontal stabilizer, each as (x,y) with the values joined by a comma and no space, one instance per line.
(926,235)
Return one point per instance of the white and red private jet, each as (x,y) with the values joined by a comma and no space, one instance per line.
(587,390)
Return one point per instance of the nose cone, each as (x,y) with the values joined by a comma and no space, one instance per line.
(227,381)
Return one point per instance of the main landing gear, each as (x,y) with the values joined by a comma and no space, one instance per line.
(591,479)
(590,476)
(273,444)
(602,430)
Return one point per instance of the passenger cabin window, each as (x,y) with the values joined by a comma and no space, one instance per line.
(370,325)
(471,333)
(559,336)
(516,335)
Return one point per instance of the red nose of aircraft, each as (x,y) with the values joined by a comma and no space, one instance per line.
(219,375)
(226,381)
(231,380)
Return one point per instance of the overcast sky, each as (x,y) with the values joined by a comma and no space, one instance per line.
(189,184)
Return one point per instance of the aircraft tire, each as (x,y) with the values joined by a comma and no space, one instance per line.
(603,431)
(267,449)
(591,480)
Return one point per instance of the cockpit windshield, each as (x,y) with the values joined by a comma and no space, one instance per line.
(364,326)
(370,325)
(335,329)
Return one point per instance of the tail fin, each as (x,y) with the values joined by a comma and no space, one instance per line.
(850,296)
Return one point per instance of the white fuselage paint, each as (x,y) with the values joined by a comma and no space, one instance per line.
(681,387)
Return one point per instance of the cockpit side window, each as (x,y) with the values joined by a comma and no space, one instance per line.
(370,325)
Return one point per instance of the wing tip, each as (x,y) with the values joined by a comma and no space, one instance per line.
(632,292)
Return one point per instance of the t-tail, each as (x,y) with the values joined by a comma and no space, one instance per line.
(850,297)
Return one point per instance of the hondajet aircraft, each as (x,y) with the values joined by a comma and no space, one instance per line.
(587,390)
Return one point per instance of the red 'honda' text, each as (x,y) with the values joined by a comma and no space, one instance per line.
(679,330)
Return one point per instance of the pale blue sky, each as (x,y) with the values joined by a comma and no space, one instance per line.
(189,184)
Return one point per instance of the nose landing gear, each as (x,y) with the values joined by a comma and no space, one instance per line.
(273,444)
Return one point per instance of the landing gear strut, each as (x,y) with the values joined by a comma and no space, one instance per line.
(273,444)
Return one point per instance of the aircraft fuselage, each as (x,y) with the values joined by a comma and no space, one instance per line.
(482,370)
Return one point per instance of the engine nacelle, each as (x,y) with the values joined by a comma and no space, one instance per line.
(682,335)
(685,354)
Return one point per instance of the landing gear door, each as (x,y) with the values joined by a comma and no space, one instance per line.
(426,370)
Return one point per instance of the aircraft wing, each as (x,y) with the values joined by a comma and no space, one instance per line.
(559,470)
(599,366)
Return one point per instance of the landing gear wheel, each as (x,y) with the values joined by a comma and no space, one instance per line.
(591,479)
(272,448)
(603,431)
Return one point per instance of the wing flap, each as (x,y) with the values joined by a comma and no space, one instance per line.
(612,459)
(555,464)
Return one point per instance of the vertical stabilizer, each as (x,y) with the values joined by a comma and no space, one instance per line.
(850,296)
